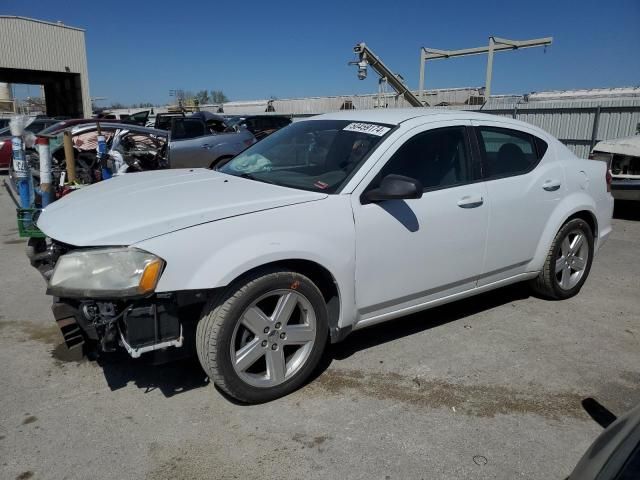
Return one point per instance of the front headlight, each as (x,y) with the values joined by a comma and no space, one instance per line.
(105,272)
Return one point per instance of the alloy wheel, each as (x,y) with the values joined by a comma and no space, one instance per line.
(273,338)
(572,259)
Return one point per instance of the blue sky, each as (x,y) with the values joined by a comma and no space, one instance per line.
(137,51)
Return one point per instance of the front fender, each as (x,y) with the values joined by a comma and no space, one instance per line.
(569,205)
(212,255)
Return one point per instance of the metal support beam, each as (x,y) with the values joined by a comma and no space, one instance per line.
(496,44)
(594,129)
(422,65)
(487,83)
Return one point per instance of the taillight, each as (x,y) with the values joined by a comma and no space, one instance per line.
(608,179)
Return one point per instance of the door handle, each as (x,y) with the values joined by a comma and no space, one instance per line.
(470,201)
(206,145)
(551,185)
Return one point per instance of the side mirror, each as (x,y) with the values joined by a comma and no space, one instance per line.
(394,187)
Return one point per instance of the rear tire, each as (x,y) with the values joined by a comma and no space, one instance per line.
(263,336)
(568,262)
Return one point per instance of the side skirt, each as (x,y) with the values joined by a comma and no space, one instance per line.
(440,301)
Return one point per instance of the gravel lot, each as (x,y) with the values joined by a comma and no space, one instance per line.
(487,388)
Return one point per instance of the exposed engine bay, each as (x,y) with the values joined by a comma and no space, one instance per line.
(159,323)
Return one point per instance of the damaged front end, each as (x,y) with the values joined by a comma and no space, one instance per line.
(139,326)
(104,300)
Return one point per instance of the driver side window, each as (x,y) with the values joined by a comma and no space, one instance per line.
(437,158)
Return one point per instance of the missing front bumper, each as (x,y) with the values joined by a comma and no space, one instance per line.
(135,352)
(143,326)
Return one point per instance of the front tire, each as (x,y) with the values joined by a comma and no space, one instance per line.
(568,262)
(263,336)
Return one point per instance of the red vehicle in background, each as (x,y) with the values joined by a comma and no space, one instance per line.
(37,126)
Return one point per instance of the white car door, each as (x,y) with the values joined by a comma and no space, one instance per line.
(410,252)
(524,183)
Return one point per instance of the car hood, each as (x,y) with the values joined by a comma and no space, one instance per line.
(137,206)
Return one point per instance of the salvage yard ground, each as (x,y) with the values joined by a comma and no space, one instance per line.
(486,388)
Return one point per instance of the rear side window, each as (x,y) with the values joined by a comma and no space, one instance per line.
(438,158)
(183,128)
(507,152)
(541,147)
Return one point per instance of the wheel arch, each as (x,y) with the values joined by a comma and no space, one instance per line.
(589,217)
(319,275)
(578,205)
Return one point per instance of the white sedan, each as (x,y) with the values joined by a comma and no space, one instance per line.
(329,225)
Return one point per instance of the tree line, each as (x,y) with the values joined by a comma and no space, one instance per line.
(187,97)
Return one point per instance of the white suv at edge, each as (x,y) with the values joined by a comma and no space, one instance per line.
(329,225)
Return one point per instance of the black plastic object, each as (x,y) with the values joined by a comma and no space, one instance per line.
(394,187)
(151,324)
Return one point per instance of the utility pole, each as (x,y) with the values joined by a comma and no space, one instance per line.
(496,44)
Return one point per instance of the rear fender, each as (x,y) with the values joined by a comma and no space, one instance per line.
(571,204)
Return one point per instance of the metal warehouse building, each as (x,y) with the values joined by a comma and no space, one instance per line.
(49,54)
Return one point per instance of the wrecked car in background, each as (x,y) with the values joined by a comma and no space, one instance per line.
(622,155)
(260,125)
(203,140)
(199,140)
(131,149)
(37,125)
(138,118)
(162,121)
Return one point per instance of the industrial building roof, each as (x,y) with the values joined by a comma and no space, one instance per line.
(55,24)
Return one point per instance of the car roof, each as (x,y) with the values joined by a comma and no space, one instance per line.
(395,116)
(206,116)
(62,124)
(76,129)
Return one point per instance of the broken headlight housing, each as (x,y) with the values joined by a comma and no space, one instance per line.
(105,273)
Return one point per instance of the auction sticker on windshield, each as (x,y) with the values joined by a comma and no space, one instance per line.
(370,128)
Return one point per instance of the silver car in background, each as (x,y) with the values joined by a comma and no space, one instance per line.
(200,140)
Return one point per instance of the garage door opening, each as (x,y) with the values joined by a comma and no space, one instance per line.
(53,55)
(24,99)
(60,93)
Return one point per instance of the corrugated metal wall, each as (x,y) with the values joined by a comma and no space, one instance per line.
(317,105)
(571,120)
(579,124)
(35,45)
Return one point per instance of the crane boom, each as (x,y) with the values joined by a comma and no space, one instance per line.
(367,57)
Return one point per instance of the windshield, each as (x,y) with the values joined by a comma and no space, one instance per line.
(317,155)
